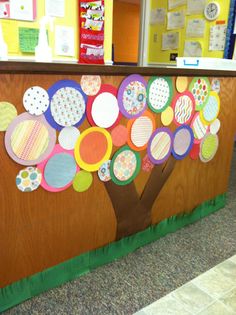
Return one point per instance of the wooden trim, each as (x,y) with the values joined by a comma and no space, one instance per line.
(61,68)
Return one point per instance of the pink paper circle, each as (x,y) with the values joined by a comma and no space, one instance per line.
(119,135)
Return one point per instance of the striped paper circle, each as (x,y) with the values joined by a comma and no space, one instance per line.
(199,128)
(160,145)
(141,131)
(184,107)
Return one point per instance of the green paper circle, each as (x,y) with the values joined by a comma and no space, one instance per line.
(82,181)
(191,87)
(170,84)
(138,167)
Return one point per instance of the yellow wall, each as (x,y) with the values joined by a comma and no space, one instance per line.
(126,31)
(108,30)
(155,54)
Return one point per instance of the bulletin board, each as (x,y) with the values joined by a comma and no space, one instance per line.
(155,52)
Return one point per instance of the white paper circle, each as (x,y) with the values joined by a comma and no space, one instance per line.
(68,137)
(141,131)
(215,127)
(36,100)
(105,110)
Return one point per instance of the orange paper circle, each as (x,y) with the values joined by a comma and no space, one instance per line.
(119,135)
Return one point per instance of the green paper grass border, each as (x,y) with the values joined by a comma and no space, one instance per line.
(71,269)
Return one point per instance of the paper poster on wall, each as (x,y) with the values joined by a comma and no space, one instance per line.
(170,41)
(64,41)
(175,3)
(24,10)
(55,8)
(28,39)
(217,37)
(176,20)
(4,10)
(192,49)
(196,28)
(195,6)
(158,16)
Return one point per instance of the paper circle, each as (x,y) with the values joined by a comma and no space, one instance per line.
(147,165)
(119,135)
(181,84)
(200,88)
(125,166)
(90,84)
(194,153)
(67,104)
(93,148)
(160,145)
(199,128)
(36,100)
(132,96)
(104,171)
(167,116)
(82,181)
(29,137)
(183,142)
(208,147)
(184,108)
(211,109)
(215,85)
(28,179)
(215,127)
(160,92)
(68,137)
(7,114)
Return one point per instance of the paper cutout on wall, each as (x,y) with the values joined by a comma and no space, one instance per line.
(199,128)
(217,37)
(147,165)
(28,39)
(211,109)
(215,127)
(167,116)
(181,84)
(200,88)
(183,142)
(90,84)
(7,114)
(119,135)
(64,40)
(4,10)
(28,179)
(175,20)
(157,16)
(215,85)
(195,28)
(184,108)
(194,153)
(24,10)
(208,147)
(170,41)
(36,100)
(172,4)
(68,137)
(104,171)
(195,6)
(192,49)
(82,181)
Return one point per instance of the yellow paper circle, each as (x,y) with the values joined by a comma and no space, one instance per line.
(7,113)
(167,116)
(181,84)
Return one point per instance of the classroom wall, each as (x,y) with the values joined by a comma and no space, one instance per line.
(126,31)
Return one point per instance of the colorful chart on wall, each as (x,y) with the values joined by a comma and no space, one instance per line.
(208,147)
(68,137)
(29,139)
(7,114)
(90,84)
(140,130)
(183,142)
(132,96)
(36,100)
(102,109)
(82,181)
(104,171)
(67,104)
(125,166)
(167,116)
(199,128)
(93,148)
(28,179)
(160,93)
(160,145)
(200,88)
(211,110)
(181,84)
(184,108)
(119,135)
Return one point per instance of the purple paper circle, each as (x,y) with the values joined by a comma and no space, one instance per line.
(19,119)
(52,91)
(124,84)
(188,131)
(156,132)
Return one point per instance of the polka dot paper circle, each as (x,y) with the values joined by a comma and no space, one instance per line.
(160,92)
(200,88)
(68,137)
(184,108)
(36,100)
(167,116)
(211,109)
(208,147)
(82,181)
(90,84)
(181,84)
(132,96)
(199,128)
(125,166)
(119,135)
(183,142)
(28,179)
(104,171)
(7,114)
(160,145)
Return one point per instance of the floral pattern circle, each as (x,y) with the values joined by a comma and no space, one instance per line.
(134,98)
(125,165)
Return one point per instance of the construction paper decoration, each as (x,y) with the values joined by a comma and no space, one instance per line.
(167,116)
(215,127)
(93,148)
(140,130)
(125,166)
(147,165)
(184,108)
(132,96)
(90,84)
(102,109)
(183,142)
(160,145)
(68,137)
(104,171)
(215,85)
(211,109)
(36,100)
(194,153)
(160,92)
(57,150)
(199,128)
(181,84)
(67,104)
(119,135)
(200,88)
(28,179)
(208,147)
(29,139)
(82,181)
(7,113)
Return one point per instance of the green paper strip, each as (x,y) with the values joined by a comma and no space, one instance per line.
(75,267)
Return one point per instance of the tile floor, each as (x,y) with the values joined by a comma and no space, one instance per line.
(212,293)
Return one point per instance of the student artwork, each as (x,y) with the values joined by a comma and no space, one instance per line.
(184,108)
(24,10)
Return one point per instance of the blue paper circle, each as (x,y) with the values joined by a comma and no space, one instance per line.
(189,129)
(52,90)
(60,170)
